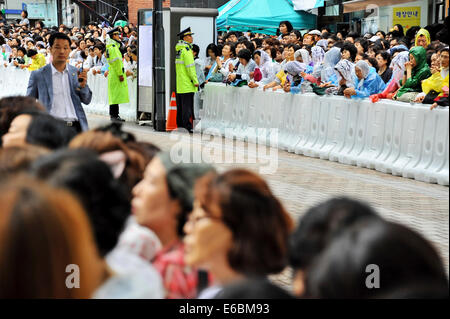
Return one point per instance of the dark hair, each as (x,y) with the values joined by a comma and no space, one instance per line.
(364,43)
(214,49)
(386,56)
(100,46)
(12,106)
(91,180)
(373,62)
(257,52)
(297,33)
(350,47)
(320,224)
(400,29)
(258,288)
(26,13)
(245,54)
(47,131)
(288,26)
(232,48)
(294,46)
(261,234)
(23,50)
(403,256)
(58,35)
(382,32)
(258,42)
(31,53)
(273,53)
(354,35)
(196,49)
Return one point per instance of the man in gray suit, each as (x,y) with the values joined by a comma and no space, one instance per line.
(60,87)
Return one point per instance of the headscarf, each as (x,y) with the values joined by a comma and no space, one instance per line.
(365,70)
(346,70)
(305,55)
(398,65)
(323,44)
(265,62)
(331,58)
(295,67)
(317,54)
(425,33)
(419,73)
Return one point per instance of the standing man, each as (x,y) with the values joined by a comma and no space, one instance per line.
(117,79)
(60,87)
(187,82)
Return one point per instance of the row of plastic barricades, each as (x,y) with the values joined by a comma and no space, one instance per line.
(14,81)
(392,137)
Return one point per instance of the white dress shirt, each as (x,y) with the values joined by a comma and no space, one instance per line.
(62,106)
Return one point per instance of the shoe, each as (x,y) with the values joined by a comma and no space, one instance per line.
(117,119)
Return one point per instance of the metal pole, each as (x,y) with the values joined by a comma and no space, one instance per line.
(159,70)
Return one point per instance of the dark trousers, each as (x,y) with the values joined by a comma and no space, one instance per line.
(114,110)
(185,110)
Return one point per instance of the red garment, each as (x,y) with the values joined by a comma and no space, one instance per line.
(179,280)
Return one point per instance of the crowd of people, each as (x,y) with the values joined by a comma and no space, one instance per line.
(95,213)
(411,66)
(26,47)
(138,225)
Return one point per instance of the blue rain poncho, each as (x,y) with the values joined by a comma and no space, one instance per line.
(371,83)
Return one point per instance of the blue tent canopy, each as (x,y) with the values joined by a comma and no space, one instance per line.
(262,15)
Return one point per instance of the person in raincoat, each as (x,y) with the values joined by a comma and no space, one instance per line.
(187,82)
(416,71)
(266,66)
(367,82)
(325,75)
(346,74)
(294,70)
(398,69)
(117,80)
(423,38)
(434,85)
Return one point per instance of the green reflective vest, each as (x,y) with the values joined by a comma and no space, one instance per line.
(185,68)
(117,91)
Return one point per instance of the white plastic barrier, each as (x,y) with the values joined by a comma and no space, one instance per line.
(14,81)
(389,136)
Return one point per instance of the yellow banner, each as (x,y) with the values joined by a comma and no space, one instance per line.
(406,16)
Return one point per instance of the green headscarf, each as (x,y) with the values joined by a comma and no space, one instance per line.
(419,73)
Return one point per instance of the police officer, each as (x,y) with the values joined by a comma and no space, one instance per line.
(117,80)
(187,82)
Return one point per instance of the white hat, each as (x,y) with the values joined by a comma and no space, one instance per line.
(374,38)
(315,32)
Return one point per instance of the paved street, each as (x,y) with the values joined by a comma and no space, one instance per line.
(301,182)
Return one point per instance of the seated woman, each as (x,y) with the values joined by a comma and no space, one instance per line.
(325,75)
(398,69)
(346,74)
(366,82)
(266,66)
(384,71)
(433,87)
(246,67)
(417,70)
(212,63)
(234,213)
(225,65)
(294,79)
(162,202)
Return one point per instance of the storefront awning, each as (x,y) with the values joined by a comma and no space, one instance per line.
(360,5)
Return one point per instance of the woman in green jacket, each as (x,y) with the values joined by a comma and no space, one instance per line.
(416,71)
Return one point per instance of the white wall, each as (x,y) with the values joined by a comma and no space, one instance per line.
(387,12)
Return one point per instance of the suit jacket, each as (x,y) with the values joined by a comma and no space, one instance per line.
(40,86)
